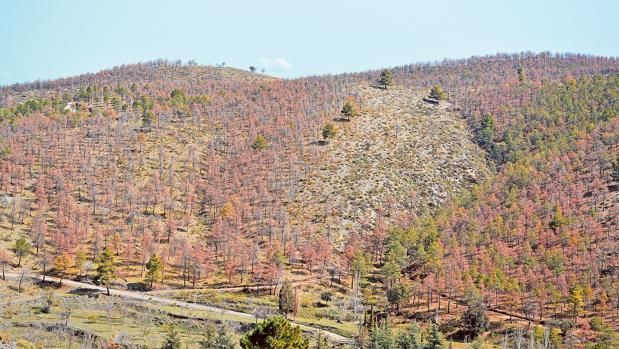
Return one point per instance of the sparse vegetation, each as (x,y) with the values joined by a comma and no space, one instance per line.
(349,109)
(260,143)
(274,333)
(157,175)
(386,78)
(329,131)
(437,93)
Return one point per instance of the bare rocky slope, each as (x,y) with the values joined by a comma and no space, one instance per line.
(400,154)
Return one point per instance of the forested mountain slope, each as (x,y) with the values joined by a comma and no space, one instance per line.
(504,192)
(398,156)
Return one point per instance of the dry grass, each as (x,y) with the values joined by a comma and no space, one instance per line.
(399,155)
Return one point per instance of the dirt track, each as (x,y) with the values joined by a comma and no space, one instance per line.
(150,298)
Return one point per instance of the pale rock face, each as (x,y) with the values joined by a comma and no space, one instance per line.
(400,154)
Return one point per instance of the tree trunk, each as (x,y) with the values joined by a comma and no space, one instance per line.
(429,299)
(20,281)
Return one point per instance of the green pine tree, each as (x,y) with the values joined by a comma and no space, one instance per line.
(106,269)
(522,76)
(349,109)
(260,143)
(435,338)
(153,270)
(386,78)
(329,131)
(286,299)
(410,338)
(382,338)
(217,339)
(487,132)
(171,340)
(22,247)
(274,333)
(437,93)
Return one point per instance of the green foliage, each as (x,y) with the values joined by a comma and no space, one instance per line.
(22,247)
(386,78)
(410,338)
(615,167)
(437,93)
(607,338)
(558,117)
(474,319)
(86,93)
(422,242)
(395,258)
(398,295)
(576,300)
(555,261)
(274,333)
(145,104)
(539,333)
(382,338)
(106,269)
(321,341)
(171,340)
(329,131)
(178,95)
(522,76)
(121,90)
(4,151)
(359,266)
(555,338)
(391,271)
(487,132)
(260,143)
(349,109)
(286,299)
(326,296)
(606,334)
(178,99)
(596,323)
(200,99)
(479,343)
(435,338)
(153,269)
(558,219)
(217,338)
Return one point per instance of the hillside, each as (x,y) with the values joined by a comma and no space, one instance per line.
(215,186)
(154,72)
(399,156)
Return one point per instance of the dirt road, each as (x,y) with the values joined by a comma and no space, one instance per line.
(150,298)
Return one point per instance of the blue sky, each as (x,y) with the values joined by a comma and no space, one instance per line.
(50,39)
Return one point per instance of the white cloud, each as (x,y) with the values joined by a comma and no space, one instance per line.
(275,64)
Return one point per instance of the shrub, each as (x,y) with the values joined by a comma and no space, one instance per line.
(474,319)
(596,323)
(274,333)
(329,131)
